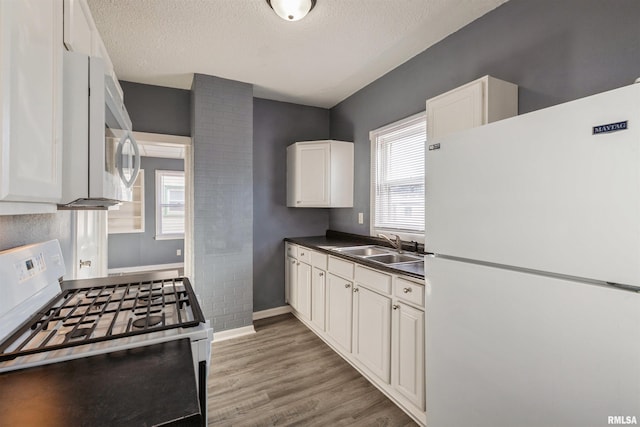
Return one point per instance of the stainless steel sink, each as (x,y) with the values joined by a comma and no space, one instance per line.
(394,258)
(362,251)
(386,256)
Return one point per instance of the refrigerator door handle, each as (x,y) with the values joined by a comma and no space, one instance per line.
(624,287)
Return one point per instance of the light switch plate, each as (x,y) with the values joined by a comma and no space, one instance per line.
(360,218)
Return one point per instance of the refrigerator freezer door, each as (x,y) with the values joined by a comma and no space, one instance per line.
(542,191)
(506,348)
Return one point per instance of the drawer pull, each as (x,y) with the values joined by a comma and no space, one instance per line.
(407,290)
(396,306)
(347,285)
(321,274)
(301,253)
(356,289)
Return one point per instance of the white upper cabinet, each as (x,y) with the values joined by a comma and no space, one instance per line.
(30,105)
(477,103)
(320,174)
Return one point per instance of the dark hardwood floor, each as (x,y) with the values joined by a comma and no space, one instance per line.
(285,375)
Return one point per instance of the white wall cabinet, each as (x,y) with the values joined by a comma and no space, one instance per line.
(373,319)
(30,105)
(320,174)
(474,104)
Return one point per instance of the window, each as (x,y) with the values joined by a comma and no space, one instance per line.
(397,178)
(169,204)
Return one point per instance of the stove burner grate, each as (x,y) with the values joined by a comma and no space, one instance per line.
(107,306)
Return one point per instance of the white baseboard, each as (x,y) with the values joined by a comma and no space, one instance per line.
(233,333)
(142,268)
(277,311)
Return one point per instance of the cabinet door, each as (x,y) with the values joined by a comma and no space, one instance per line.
(303,291)
(290,278)
(408,353)
(312,172)
(79,30)
(318,297)
(372,331)
(30,100)
(459,109)
(339,310)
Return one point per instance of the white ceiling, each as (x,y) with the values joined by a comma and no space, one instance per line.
(339,48)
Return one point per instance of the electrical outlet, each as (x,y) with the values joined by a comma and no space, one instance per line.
(360,218)
(178,252)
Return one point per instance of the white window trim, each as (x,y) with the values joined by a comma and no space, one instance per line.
(158,235)
(373,230)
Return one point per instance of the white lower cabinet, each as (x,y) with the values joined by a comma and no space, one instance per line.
(318,283)
(339,310)
(408,353)
(290,278)
(303,291)
(373,319)
(372,331)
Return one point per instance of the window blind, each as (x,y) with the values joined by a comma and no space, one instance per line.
(398,175)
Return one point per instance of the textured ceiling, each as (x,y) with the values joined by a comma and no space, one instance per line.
(339,48)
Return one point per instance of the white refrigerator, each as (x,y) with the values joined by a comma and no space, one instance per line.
(533,291)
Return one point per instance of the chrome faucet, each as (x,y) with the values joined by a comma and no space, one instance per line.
(397,244)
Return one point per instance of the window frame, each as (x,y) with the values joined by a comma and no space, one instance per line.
(374,231)
(158,205)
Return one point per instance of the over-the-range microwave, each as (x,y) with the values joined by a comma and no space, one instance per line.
(100,160)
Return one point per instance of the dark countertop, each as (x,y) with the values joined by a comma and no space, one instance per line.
(343,240)
(145,386)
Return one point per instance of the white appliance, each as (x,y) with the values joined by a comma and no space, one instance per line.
(533,303)
(43,321)
(100,155)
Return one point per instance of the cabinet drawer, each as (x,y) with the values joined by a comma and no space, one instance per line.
(374,280)
(292,250)
(341,267)
(319,260)
(409,291)
(304,254)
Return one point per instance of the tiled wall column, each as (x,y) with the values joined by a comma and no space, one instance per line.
(222,132)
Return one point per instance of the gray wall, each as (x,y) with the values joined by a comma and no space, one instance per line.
(138,249)
(18,230)
(158,109)
(222,132)
(554,50)
(275,126)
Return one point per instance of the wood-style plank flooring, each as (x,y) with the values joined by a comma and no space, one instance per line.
(285,375)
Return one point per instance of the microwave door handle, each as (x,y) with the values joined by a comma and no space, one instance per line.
(136,158)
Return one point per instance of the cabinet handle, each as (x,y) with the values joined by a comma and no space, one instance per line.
(356,289)
(301,253)
(347,285)
(396,306)
(293,261)
(320,274)
(407,290)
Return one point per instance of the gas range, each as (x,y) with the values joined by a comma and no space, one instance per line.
(45,321)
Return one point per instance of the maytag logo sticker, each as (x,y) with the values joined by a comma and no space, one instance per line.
(611,127)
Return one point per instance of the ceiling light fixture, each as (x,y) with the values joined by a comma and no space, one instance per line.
(291,10)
